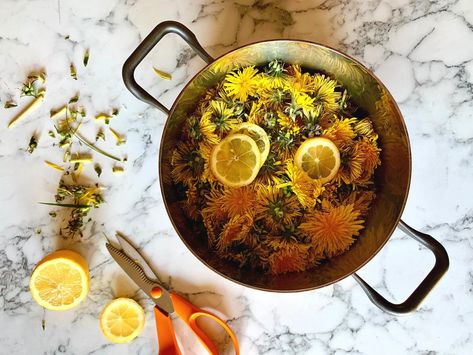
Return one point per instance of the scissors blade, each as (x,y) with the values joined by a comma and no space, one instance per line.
(137,274)
(134,254)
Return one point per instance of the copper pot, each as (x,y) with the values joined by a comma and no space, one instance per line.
(392,177)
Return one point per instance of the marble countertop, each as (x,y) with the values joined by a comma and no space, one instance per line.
(421,49)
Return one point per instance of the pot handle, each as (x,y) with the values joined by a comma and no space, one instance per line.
(415,299)
(128,71)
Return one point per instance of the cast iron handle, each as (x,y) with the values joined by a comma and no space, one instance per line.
(415,299)
(128,71)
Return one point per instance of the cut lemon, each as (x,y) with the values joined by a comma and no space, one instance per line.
(122,320)
(258,135)
(236,160)
(319,158)
(60,281)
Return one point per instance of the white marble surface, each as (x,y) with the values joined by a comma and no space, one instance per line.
(422,50)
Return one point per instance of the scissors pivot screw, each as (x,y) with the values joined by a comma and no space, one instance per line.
(156,292)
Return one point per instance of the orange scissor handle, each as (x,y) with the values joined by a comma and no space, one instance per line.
(166,337)
(189,314)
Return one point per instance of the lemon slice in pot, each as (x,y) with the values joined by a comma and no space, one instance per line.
(236,160)
(319,158)
(258,135)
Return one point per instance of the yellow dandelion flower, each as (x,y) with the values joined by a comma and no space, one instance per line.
(303,101)
(223,117)
(239,201)
(271,170)
(341,132)
(306,189)
(324,92)
(207,128)
(187,163)
(191,204)
(314,257)
(370,156)
(235,230)
(206,151)
(332,232)
(275,207)
(212,228)
(361,201)
(351,165)
(363,127)
(271,82)
(213,209)
(290,257)
(242,83)
(298,82)
(256,114)
(287,123)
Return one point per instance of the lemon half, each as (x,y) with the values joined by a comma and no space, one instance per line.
(60,281)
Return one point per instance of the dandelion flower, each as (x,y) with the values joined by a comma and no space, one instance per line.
(289,258)
(206,151)
(325,94)
(298,81)
(306,190)
(370,156)
(207,129)
(287,123)
(275,207)
(242,83)
(223,117)
(332,231)
(191,203)
(351,165)
(213,209)
(341,132)
(361,201)
(235,230)
(187,163)
(239,201)
(256,113)
(275,75)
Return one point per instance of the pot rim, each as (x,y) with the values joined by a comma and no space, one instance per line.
(398,218)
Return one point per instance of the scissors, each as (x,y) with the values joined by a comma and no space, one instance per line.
(166,302)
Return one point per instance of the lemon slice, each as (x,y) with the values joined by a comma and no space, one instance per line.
(236,160)
(258,135)
(319,158)
(60,281)
(122,320)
